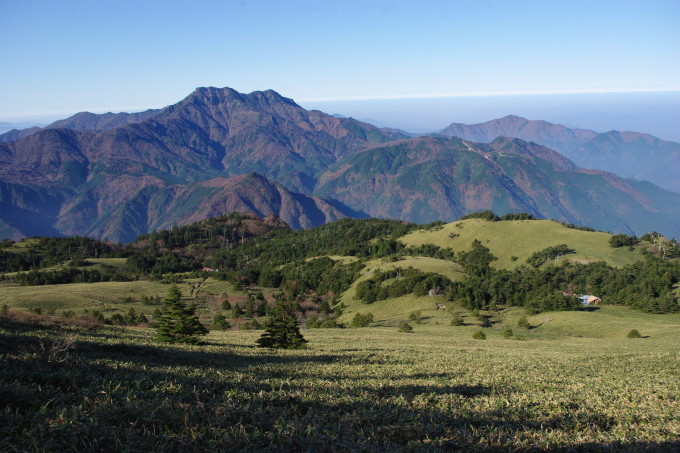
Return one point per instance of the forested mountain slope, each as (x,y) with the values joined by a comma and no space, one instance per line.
(628,154)
(117,176)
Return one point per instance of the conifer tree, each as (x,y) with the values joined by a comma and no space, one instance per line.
(281,330)
(236,311)
(262,308)
(178,321)
(250,307)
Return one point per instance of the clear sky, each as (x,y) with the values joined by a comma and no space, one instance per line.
(61,57)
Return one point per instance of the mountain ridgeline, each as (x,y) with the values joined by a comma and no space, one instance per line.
(116,176)
(627,154)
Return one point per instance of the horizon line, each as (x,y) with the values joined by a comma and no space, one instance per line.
(25,116)
(481,94)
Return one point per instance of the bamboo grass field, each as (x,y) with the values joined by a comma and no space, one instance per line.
(355,389)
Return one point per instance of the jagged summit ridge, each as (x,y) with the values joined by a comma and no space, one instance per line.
(218,150)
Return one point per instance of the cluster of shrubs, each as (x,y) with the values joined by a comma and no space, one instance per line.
(399,282)
(38,317)
(623,240)
(361,320)
(548,254)
(131,318)
(491,217)
(314,322)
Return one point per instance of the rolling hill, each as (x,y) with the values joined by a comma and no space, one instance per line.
(521,238)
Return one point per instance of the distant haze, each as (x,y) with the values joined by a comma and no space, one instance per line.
(657,114)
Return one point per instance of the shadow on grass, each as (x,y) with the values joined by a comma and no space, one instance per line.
(158,411)
(150,398)
(156,355)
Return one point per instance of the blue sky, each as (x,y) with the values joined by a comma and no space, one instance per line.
(61,57)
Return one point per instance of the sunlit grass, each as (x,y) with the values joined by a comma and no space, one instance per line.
(368,389)
(444,267)
(521,238)
(107,297)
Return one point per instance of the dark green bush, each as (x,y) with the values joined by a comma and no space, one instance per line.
(405,327)
(361,320)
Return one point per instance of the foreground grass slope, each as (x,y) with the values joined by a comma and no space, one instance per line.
(370,389)
(521,238)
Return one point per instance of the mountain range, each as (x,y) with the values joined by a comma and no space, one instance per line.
(628,154)
(119,175)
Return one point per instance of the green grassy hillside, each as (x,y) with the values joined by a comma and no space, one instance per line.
(78,296)
(521,238)
(98,264)
(387,312)
(606,321)
(106,263)
(106,297)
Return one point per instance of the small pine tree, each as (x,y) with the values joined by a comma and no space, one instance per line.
(178,322)
(225,304)
(312,322)
(479,335)
(250,308)
(416,317)
(484,321)
(634,334)
(220,322)
(405,327)
(523,322)
(262,308)
(117,319)
(507,333)
(236,311)
(457,320)
(131,317)
(339,309)
(281,330)
(324,306)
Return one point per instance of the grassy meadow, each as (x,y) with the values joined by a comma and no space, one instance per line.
(109,297)
(361,389)
(521,238)
(391,311)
